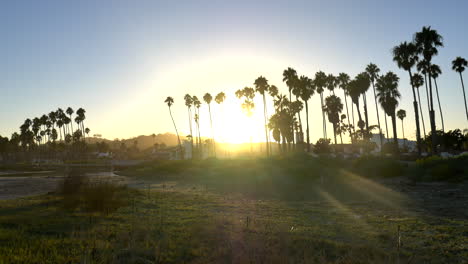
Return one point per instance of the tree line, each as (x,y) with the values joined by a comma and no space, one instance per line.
(285,126)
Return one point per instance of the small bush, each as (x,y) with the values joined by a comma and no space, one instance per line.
(80,192)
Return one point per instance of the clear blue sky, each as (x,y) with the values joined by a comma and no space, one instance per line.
(120,59)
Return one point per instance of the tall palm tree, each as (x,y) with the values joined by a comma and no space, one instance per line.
(343,80)
(81,115)
(290,77)
(197,105)
(261,86)
(405,55)
(333,107)
(354,93)
(307,89)
(188,103)
(427,42)
(423,67)
(170,101)
(459,65)
(248,105)
(364,85)
(208,98)
(331,83)
(70,112)
(401,114)
(388,95)
(219,99)
(373,72)
(435,73)
(417,82)
(320,82)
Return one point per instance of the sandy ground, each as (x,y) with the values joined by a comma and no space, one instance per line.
(12,187)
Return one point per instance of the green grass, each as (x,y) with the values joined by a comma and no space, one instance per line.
(279,210)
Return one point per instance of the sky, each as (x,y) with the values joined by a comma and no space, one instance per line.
(119,60)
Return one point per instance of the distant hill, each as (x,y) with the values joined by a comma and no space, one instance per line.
(143,141)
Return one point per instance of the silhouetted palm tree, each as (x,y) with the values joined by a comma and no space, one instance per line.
(388,95)
(248,105)
(188,103)
(208,98)
(197,105)
(373,72)
(417,82)
(70,112)
(331,83)
(219,99)
(423,68)
(320,82)
(290,77)
(307,89)
(261,86)
(402,115)
(333,107)
(343,80)
(170,101)
(459,65)
(405,55)
(435,73)
(427,41)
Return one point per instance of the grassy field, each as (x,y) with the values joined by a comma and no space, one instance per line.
(280,210)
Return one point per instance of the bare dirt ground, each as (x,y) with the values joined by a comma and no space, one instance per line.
(12,187)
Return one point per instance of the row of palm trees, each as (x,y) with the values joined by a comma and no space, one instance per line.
(57,125)
(419,53)
(285,125)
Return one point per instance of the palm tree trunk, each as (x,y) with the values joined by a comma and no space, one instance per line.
(347,112)
(334,132)
(378,118)
(177,132)
(432,118)
(422,116)
(440,107)
(403,132)
(359,114)
(352,112)
(365,113)
(464,95)
(71,124)
(307,122)
(212,131)
(266,127)
(395,136)
(386,127)
(324,124)
(191,132)
(416,115)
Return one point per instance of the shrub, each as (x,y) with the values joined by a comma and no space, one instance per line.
(80,192)
(322,146)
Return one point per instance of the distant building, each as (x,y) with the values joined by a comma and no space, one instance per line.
(410,144)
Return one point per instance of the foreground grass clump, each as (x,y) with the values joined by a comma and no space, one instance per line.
(441,169)
(80,192)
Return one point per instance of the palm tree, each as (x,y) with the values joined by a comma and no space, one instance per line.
(373,72)
(248,105)
(423,67)
(261,86)
(331,83)
(333,107)
(417,82)
(170,101)
(459,65)
(81,114)
(188,103)
(219,99)
(435,73)
(290,77)
(208,98)
(197,105)
(401,115)
(357,87)
(364,84)
(427,41)
(320,82)
(343,80)
(307,89)
(70,112)
(388,94)
(405,55)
